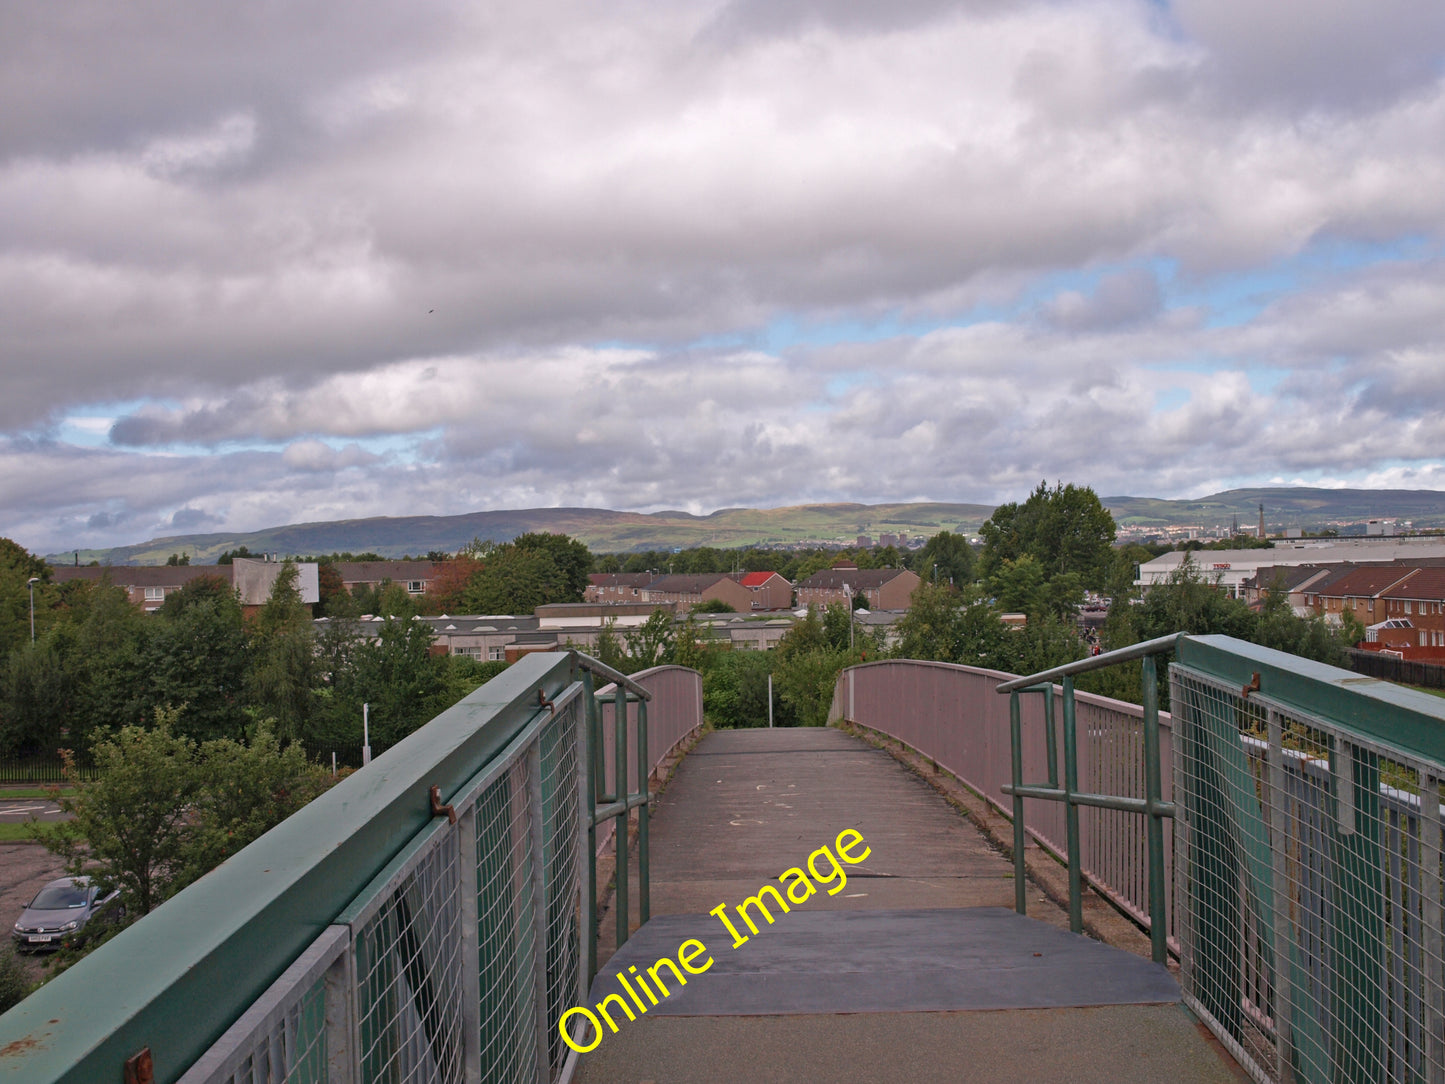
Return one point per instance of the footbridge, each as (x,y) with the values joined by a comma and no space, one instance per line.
(564,878)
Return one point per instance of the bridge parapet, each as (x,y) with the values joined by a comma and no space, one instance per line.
(1307,826)
(424,920)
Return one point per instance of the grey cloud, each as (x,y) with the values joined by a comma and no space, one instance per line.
(182,65)
(1120,299)
(1341,54)
(743,20)
(188,519)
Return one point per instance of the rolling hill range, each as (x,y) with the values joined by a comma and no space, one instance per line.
(1310,509)
(606,531)
(603,531)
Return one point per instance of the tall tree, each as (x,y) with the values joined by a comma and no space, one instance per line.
(1066,529)
(283,657)
(17,566)
(947,558)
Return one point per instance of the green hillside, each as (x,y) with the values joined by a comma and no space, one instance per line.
(1309,509)
(603,531)
(606,531)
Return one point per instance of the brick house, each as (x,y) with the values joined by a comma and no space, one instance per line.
(616,586)
(1420,600)
(770,591)
(1358,590)
(683,592)
(148,585)
(416,577)
(881,588)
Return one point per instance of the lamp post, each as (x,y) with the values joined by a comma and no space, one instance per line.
(33,581)
(848,594)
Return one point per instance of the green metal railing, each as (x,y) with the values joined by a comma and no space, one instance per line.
(1309,891)
(1152,806)
(428,919)
(618,802)
(1308,865)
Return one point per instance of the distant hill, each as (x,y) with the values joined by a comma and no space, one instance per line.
(606,531)
(602,530)
(1310,509)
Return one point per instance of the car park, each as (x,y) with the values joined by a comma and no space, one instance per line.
(64,912)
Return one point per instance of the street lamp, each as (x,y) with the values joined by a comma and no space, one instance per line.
(848,594)
(33,581)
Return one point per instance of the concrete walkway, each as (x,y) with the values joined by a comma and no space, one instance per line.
(916,970)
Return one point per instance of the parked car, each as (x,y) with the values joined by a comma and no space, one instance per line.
(62,910)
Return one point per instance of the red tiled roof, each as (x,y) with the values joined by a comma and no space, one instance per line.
(757,579)
(1365,582)
(1427,583)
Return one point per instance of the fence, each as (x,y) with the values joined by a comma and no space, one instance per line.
(674,713)
(425,920)
(1310,881)
(952,715)
(1393,668)
(42,768)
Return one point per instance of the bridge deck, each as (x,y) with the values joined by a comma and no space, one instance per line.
(911,972)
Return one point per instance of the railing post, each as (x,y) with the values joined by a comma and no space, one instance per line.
(1051,741)
(1278,794)
(471,949)
(591,742)
(1434,943)
(539,909)
(1016,751)
(1071,810)
(619,836)
(1154,823)
(342,1050)
(644,892)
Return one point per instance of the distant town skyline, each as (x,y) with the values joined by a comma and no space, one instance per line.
(275,265)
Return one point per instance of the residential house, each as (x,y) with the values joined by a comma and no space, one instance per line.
(148,585)
(616,586)
(770,591)
(1295,580)
(416,577)
(1420,600)
(684,592)
(881,588)
(1358,590)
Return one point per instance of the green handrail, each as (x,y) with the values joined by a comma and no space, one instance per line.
(1152,806)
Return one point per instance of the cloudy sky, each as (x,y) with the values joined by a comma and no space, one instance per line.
(263,263)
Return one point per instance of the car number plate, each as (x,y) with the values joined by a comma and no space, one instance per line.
(42,938)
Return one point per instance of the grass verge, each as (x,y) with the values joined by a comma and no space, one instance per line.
(14,832)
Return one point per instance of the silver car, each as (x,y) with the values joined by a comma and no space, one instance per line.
(61,910)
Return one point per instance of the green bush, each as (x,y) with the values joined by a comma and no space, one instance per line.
(735,691)
(14,983)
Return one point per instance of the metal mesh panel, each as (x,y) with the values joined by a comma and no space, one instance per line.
(283,1037)
(409,974)
(506,919)
(294,1051)
(1310,885)
(560,763)
(1113,842)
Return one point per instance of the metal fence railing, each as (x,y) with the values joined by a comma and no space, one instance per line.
(953,715)
(1307,839)
(460,956)
(1309,866)
(44,768)
(427,920)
